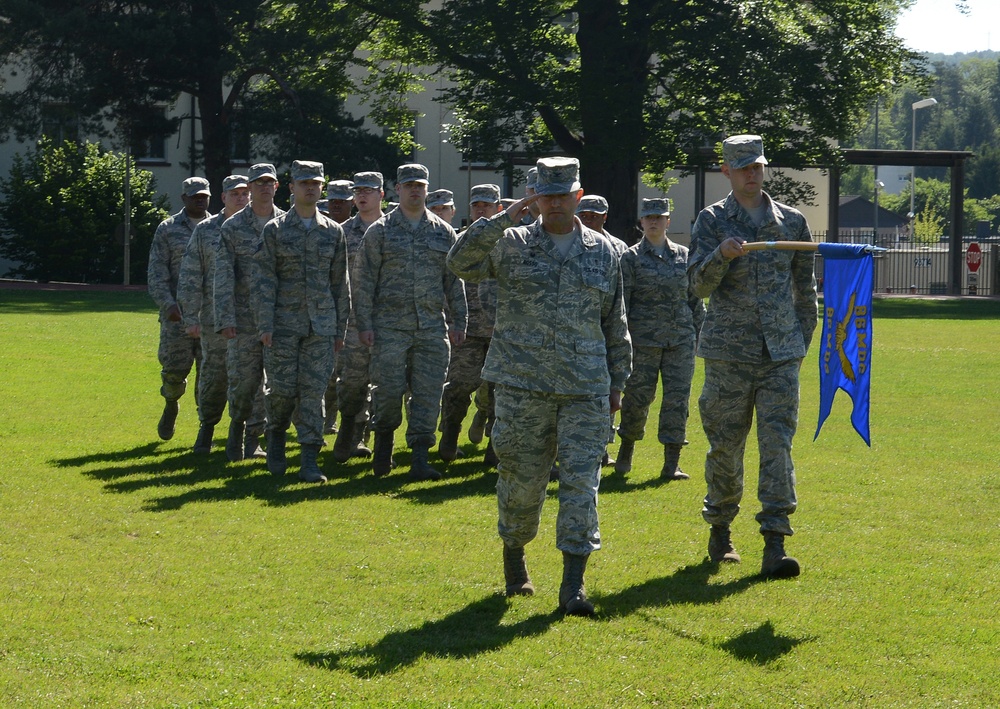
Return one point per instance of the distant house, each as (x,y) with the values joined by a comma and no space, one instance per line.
(857,218)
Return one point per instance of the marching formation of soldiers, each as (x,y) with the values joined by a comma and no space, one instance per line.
(546,321)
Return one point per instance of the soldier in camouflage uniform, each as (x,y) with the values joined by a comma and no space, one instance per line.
(465,370)
(560,356)
(593,212)
(442,203)
(354,361)
(195,295)
(663,320)
(759,324)
(303,304)
(177,352)
(402,286)
(239,240)
(339,201)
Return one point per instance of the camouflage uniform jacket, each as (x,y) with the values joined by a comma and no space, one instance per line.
(354,232)
(560,324)
(619,246)
(402,278)
(482,300)
(763,304)
(165,255)
(196,283)
(661,310)
(239,240)
(301,276)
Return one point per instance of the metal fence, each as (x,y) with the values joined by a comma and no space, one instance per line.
(922,269)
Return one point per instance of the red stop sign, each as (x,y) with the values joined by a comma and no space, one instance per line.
(973,257)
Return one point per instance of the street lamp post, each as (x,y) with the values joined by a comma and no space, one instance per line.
(917,105)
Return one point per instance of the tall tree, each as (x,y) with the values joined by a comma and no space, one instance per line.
(124,59)
(645,85)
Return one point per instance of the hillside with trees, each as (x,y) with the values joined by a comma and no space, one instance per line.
(966,117)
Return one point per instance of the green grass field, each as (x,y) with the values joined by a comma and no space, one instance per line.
(135,574)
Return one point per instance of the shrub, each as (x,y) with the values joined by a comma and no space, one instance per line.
(61,208)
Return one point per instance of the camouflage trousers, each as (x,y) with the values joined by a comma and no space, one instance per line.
(414,360)
(675,365)
(484,399)
(353,377)
(177,354)
(465,375)
(733,392)
(212,380)
(530,428)
(298,370)
(245,371)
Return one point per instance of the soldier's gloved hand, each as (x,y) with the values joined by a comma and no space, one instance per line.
(174,313)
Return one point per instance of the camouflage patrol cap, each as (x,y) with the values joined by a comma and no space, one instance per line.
(307,170)
(593,203)
(340,189)
(655,207)
(233,181)
(485,193)
(195,185)
(558,176)
(412,172)
(440,198)
(372,180)
(262,169)
(741,150)
(532,178)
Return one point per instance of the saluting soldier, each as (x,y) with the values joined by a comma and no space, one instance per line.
(559,357)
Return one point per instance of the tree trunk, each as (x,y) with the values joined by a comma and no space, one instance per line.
(215,138)
(613,59)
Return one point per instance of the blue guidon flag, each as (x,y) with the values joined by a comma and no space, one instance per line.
(845,362)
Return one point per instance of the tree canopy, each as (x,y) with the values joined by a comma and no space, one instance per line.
(244,61)
(645,85)
(966,117)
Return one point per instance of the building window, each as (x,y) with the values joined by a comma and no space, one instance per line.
(151,148)
(240,143)
(59,123)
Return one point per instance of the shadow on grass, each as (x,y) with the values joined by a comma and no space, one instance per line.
(195,478)
(688,585)
(74,302)
(936,308)
(477,628)
(468,632)
(617,483)
(760,646)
